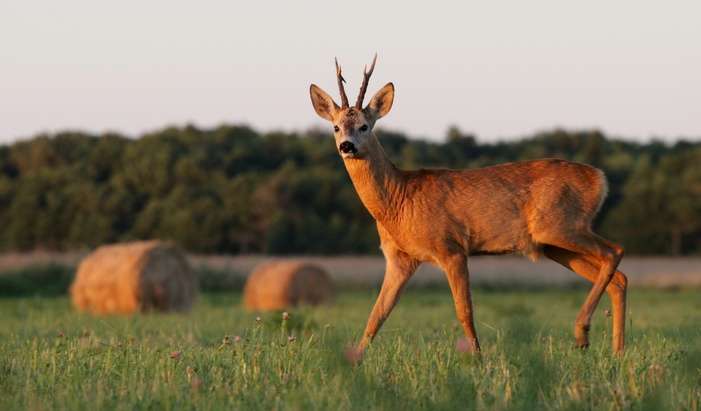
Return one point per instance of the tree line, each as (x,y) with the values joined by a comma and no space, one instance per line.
(231,189)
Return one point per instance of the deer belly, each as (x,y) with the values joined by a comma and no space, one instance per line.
(506,242)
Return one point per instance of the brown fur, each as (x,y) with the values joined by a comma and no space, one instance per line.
(442,216)
(132,277)
(282,284)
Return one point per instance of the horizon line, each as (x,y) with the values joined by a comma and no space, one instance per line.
(666,139)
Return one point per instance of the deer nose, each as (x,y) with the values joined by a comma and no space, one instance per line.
(347,147)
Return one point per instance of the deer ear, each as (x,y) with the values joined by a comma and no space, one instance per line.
(381,102)
(323,104)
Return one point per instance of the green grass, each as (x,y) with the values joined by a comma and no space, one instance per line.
(54,358)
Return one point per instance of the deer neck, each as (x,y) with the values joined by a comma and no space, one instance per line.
(379,184)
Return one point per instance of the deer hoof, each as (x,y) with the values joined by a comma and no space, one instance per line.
(467,346)
(581,345)
(354,355)
(581,336)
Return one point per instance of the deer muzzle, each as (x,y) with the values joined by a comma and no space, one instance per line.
(347,148)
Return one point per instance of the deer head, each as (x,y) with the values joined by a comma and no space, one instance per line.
(353,125)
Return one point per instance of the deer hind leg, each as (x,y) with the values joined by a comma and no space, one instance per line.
(608,255)
(456,270)
(589,268)
(400,268)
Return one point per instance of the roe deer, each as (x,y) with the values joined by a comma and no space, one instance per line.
(442,215)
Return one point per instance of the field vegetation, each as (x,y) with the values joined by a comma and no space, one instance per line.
(221,357)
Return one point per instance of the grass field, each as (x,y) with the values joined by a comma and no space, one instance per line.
(54,358)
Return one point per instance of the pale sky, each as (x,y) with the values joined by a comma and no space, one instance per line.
(495,68)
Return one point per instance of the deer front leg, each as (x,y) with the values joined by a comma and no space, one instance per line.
(400,267)
(455,268)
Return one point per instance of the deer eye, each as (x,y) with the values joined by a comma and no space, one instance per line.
(364,127)
(335,128)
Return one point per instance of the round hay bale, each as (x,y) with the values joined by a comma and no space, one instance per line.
(134,277)
(281,284)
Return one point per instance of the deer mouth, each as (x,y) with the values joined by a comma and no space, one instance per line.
(349,156)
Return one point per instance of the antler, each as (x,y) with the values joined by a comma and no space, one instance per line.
(366,80)
(341,80)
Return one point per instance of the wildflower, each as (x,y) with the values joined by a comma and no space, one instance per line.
(175,354)
(237,338)
(60,334)
(291,338)
(285,316)
(258,319)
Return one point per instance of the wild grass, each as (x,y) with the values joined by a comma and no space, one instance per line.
(220,357)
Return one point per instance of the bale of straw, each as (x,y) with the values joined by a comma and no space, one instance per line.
(281,284)
(134,277)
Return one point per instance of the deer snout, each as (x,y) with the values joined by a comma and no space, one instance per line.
(347,148)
